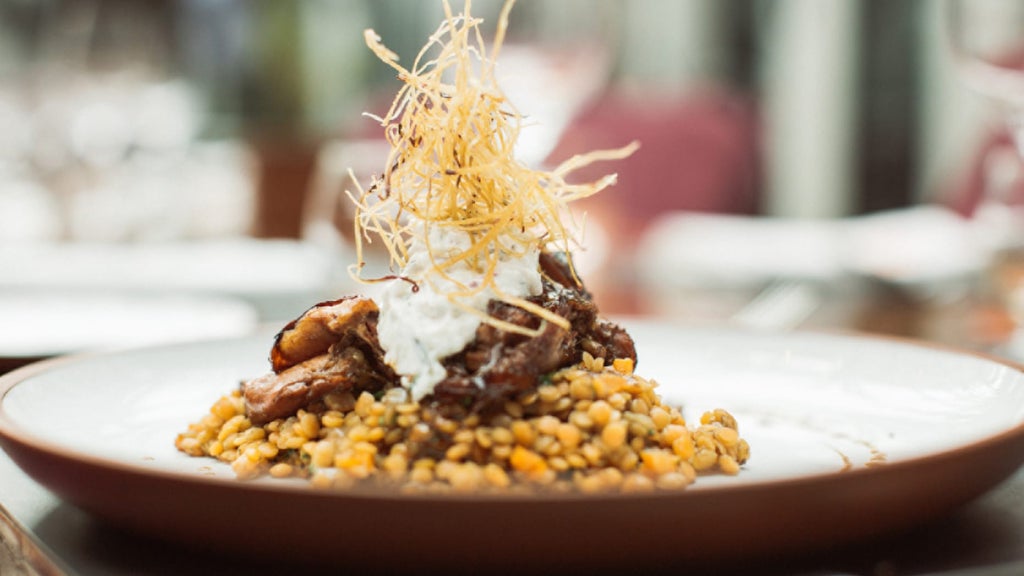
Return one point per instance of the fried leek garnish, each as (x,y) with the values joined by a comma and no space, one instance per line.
(451,166)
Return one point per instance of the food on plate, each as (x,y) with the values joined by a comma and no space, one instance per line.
(483,364)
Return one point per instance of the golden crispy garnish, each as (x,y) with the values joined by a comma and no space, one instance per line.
(452,134)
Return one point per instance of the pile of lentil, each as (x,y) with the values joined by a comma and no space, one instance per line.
(588,428)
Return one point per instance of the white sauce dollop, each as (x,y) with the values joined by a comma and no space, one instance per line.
(419,328)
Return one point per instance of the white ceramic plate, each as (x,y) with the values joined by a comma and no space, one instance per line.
(850,437)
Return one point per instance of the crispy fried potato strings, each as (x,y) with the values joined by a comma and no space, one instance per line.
(451,165)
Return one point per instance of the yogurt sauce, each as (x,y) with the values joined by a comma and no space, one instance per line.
(420,327)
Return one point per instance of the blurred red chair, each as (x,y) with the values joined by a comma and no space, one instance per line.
(698,153)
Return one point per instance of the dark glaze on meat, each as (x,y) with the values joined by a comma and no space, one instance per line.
(334,345)
(331,346)
(281,394)
(498,364)
(323,325)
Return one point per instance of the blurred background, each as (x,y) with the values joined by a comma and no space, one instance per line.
(825,155)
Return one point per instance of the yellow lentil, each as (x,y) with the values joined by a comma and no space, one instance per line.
(523,432)
(363,404)
(623,365)
(496,476)
(310,425)
(600,413)
(568,435)
(614,435)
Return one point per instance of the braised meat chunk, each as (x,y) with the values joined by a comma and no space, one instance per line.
(323,325)
(281,394)
(334,345)
(498,363)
